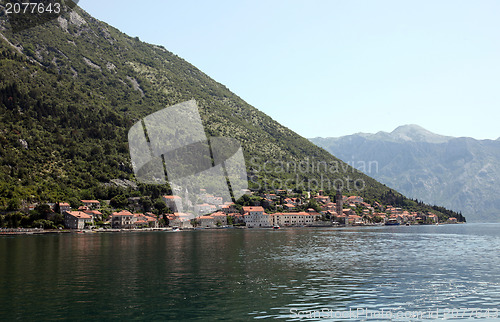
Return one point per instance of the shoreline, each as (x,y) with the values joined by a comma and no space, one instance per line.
(38,231)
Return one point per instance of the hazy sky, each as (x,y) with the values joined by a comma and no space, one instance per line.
(332,68)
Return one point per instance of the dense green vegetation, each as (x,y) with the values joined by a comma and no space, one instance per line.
(71,89)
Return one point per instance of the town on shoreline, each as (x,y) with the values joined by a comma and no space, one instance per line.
(277,209)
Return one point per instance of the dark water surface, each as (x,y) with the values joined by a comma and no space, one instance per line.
(250,274)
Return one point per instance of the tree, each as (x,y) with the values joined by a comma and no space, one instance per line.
(74,202)
(58,220)
(42,223)
(165,220)
(119,201)
(42,212)
(13,204)
(146,203)
(314,205)
(160,206)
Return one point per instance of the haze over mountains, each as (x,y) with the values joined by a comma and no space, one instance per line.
(459,173)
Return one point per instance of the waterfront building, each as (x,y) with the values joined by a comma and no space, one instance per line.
(181,220)
(207,221)
(220,218)
(294,218)
(76,219)
(256,217)
(123,220)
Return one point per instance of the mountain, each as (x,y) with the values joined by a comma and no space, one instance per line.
(459,173)
(70,90)
(415,133)
(405,133)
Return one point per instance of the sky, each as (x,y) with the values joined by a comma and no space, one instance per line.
(337,67)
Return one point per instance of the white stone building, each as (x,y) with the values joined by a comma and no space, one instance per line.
(256,217)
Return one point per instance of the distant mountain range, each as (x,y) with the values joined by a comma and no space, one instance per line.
(459,173)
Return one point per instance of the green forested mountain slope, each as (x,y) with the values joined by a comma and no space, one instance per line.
(71,89)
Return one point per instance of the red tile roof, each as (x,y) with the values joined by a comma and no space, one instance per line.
(248,209)
(79,214)
(122,213)
(95,212)
(302,213)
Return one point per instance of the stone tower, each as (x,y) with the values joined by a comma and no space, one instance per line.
(339,204)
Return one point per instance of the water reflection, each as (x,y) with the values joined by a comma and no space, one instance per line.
(243,274)
(404,269)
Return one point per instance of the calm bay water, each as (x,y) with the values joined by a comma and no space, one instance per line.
(249,274)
